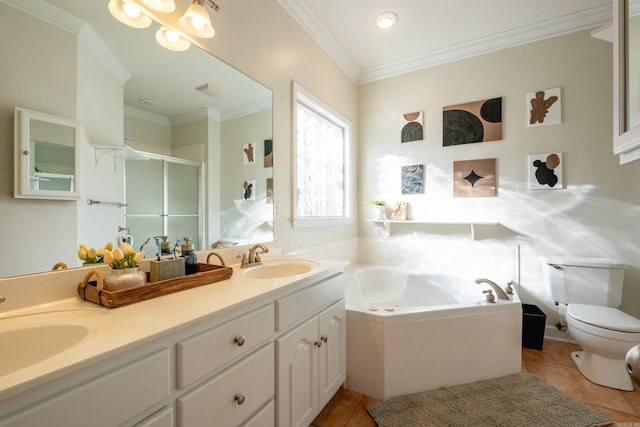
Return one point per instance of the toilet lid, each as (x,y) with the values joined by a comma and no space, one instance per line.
(604,317)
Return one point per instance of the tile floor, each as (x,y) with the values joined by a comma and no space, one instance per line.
(553,363)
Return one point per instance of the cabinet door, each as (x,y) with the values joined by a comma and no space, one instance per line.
(297,375)
(332,354)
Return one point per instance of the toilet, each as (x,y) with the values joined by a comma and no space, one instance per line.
(592,290)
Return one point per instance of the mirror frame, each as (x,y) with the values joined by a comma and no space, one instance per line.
(626,142)
(22,189)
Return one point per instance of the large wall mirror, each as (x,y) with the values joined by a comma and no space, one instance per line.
(187,106)
(627,79)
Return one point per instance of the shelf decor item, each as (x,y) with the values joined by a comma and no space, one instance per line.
(379,210)
(400,211)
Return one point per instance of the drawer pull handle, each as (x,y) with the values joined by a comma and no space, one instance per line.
(239,341)
(239,399)
(324,338)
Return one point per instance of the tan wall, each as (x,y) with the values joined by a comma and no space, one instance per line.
(596,214)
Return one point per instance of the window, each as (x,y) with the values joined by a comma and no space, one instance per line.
(321,162)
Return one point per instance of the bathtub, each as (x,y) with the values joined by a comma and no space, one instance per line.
(411,331)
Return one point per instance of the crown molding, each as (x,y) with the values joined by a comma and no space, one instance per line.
(584,20)
(308,21)
(248,108)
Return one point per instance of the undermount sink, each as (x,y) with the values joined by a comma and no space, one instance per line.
(31,338)
(277,268)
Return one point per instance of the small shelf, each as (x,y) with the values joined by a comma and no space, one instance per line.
(388,224)
(120,152)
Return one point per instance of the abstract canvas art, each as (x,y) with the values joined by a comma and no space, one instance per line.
(248,156)
(474,178)
(544,107)
(478,121)
(399,211)
(268,153)
(249,189)
(270,190)
(545,171)
(412,127)
(412,179)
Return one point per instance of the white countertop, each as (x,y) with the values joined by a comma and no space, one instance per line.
(142,322)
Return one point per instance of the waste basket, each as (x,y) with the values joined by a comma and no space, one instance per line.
(533,323)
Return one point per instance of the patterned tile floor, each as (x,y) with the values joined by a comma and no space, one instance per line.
(553,363)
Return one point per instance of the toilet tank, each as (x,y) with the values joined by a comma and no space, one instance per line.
(595,281)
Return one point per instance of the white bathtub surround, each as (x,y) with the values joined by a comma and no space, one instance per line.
(409,332)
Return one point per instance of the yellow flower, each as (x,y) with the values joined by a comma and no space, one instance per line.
(108,256)
(127,249)
(117,254)
(84,248)
(138,257)
(91,253)
(82,253)
(109,246)
(100,252)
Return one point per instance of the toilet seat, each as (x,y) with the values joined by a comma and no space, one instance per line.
(608,318)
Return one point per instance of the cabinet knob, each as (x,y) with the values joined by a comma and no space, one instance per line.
(239,341)
(324,338)
(318,344)
(239,399)
(25,152)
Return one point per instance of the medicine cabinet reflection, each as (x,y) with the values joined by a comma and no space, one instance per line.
(46,156)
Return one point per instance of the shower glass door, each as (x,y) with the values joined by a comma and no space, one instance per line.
(164,198)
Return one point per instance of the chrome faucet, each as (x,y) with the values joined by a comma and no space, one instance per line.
(254,256)
(499,292)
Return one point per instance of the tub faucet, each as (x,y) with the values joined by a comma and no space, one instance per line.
(254,256)
(499,292)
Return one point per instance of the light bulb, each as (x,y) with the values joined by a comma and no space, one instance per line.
(131,11)
(172,36)
(386,20)
(197,23)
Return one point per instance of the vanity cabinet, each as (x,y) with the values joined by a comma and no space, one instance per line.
(311,366)
(277,358)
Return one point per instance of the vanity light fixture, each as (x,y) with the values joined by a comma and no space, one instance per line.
(196,20)
(140,14)
(128,13)
(171,40)
(386,20)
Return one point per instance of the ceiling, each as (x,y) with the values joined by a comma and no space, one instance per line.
(430,32)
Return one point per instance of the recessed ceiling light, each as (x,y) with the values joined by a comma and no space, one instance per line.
(386,20)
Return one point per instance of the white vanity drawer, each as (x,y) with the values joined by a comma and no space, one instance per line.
(233,396)
(301,304)
(108,400)
(208,351)
(265,417)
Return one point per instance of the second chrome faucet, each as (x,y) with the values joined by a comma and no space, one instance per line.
(499,292)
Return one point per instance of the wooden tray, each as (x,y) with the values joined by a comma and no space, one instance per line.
(95,292)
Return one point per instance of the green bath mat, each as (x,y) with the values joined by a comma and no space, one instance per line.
(514,400)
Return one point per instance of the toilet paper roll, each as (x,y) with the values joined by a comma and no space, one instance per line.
(633,364)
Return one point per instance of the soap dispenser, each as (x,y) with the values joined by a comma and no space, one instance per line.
(190,260)
(165,246)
